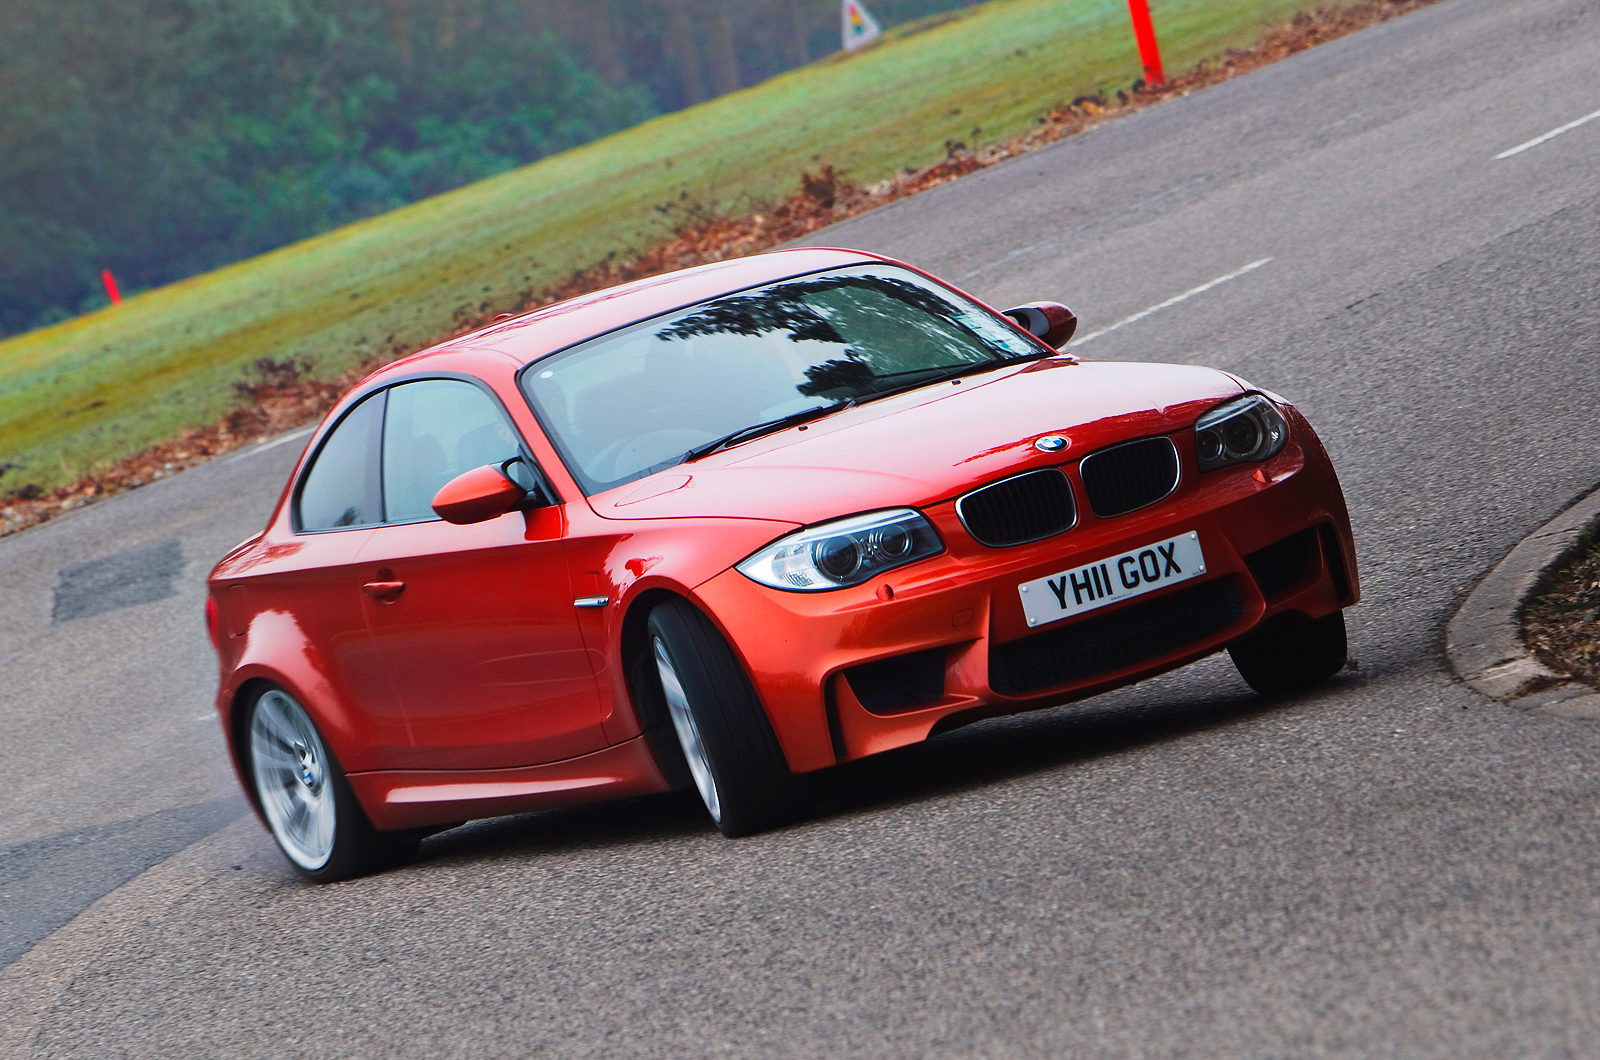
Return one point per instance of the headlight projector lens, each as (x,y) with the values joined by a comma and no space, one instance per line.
(837,557)
(844,552)
(1241,435)
(1246,429)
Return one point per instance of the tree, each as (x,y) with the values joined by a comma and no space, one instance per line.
(163,137)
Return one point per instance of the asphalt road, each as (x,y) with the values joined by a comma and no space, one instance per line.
(1390,866)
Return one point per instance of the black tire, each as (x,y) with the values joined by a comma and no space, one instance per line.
(312,813)
(656,721)
(1289,652)
(730,743)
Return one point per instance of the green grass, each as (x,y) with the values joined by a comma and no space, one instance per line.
(86,392)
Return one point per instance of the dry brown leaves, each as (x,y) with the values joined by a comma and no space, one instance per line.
(1563,627)
(284,397)
(279,398)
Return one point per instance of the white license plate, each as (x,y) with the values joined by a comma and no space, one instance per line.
(1114,578)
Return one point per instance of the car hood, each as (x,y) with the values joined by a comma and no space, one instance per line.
(928,445)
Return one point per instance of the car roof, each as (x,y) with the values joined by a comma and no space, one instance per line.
(528,337)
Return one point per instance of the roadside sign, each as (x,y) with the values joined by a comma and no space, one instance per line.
(859,25)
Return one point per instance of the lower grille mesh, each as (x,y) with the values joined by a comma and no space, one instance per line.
(1089,647)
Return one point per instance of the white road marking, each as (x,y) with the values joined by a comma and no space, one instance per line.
(1174,300)
(1061,237)
(1551,135)
(264,446)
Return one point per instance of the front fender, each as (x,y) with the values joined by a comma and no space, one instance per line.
(632,565)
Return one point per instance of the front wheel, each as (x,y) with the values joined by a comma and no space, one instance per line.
(732,752)
(309,806)
(1289,652)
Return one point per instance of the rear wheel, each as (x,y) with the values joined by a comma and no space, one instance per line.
(1289,652)
(732,752)
(309,806)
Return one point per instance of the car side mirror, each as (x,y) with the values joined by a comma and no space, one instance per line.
(1050,322)
(479,495)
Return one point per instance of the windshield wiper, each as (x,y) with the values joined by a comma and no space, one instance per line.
(744,434)
(946,374)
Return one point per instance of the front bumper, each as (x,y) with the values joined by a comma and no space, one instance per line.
(962,612)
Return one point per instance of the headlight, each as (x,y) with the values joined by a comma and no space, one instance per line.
(844,552)
(1245,429)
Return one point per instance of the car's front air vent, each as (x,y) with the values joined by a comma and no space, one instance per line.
(1124,478)
(1018,509)
(1280,566)
(900,683)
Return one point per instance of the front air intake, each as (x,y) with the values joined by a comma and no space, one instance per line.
(1102,644)
(1019,509)
(1124,478)
(900,683)
(1280,566)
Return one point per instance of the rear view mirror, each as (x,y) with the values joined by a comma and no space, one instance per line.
(478,495)
(1050,322)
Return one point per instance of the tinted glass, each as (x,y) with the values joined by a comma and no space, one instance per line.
(636,401)
(435,430)
(341,488)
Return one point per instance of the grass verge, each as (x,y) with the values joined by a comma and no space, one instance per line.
(114,399)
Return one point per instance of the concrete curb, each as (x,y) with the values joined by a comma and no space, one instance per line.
(1484,639)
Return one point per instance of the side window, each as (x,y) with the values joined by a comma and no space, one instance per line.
(341,489)
(436,429)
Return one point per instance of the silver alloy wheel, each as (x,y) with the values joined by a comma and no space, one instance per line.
(688,732)
(291,773)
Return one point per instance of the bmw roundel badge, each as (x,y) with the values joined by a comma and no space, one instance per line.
(1050,443)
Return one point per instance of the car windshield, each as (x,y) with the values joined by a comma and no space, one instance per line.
(646,397)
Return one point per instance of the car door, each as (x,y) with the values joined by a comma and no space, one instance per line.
(477,623)
(301,594)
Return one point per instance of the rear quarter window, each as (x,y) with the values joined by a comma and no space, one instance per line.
(342,488)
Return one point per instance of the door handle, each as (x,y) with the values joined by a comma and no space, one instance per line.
(384,592)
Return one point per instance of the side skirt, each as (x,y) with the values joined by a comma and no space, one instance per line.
(397,799)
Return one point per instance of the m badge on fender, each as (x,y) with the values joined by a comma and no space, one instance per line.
(1133,573)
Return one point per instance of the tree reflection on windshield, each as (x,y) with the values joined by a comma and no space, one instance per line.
(638,400)
(776,309)
(889,341)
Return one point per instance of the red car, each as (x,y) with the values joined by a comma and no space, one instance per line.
(740,523)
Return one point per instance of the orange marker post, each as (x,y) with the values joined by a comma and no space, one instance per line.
(1144,31)
(111,286)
